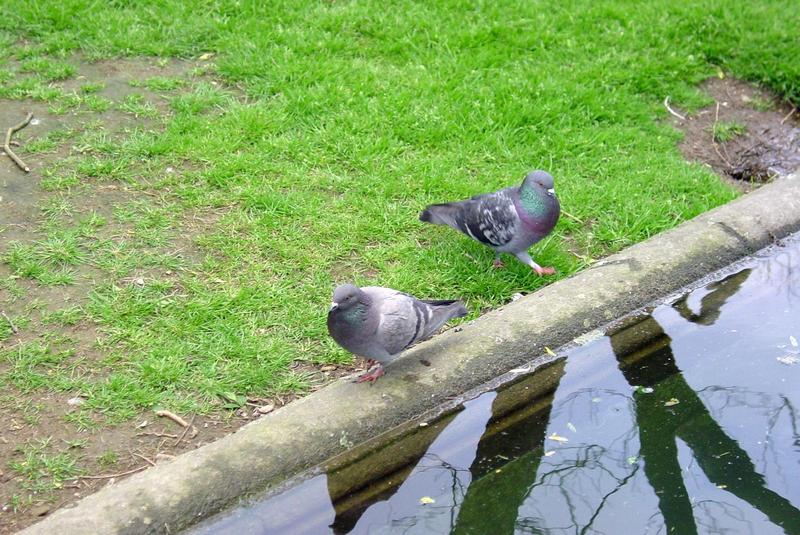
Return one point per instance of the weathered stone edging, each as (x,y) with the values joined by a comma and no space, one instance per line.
(169,497)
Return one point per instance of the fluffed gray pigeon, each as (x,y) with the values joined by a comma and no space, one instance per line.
(379,323)
(509,220)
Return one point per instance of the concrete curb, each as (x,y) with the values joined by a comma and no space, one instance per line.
(170,497)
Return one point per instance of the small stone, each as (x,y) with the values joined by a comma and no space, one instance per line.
(516,296)
(265,409)
(328,368)
(77,400)
(40,510)
(164,457)
(138,281)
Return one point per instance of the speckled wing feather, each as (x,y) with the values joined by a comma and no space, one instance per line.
(490,218)
(405,320)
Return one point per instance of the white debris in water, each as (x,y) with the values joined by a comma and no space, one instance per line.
(571,427)
(793,341)
(788,360)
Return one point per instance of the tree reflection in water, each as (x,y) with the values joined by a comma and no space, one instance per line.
(680,423)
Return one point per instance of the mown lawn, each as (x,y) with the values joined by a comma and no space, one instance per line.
(332,125)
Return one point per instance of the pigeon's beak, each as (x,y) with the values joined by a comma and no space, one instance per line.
(334,306)
(551,191)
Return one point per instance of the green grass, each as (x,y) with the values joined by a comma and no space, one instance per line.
(761,104)
(727,130)
(299,155)
(41,470)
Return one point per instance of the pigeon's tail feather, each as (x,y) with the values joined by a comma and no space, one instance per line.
(456,307)
(443,311)
(440,214)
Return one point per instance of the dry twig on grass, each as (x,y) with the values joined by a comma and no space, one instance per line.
(174,417)
(109,476)
(145,459)
(714,140)
(10,323)
(190,426)
(673,112)
(7,145)
(153,434)
(794,109)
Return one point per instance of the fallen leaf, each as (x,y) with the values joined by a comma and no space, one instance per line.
(206,56)
(558,438)
(671,402)
(549,351)
(425,500)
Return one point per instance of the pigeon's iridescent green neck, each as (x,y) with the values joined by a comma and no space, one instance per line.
(355,314)
(533,200)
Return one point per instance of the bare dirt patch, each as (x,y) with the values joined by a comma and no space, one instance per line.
(747,135)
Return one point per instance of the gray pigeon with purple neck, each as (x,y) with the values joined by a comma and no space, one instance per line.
(509,220)
(379,323)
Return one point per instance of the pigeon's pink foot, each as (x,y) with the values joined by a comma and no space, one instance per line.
(498,264)
(541,271)
(371,376)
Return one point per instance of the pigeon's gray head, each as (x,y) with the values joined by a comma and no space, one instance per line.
(346,296)
(541,179)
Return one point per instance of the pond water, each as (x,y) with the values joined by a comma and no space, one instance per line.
(682,420)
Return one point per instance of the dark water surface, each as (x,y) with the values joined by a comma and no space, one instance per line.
(681,421)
